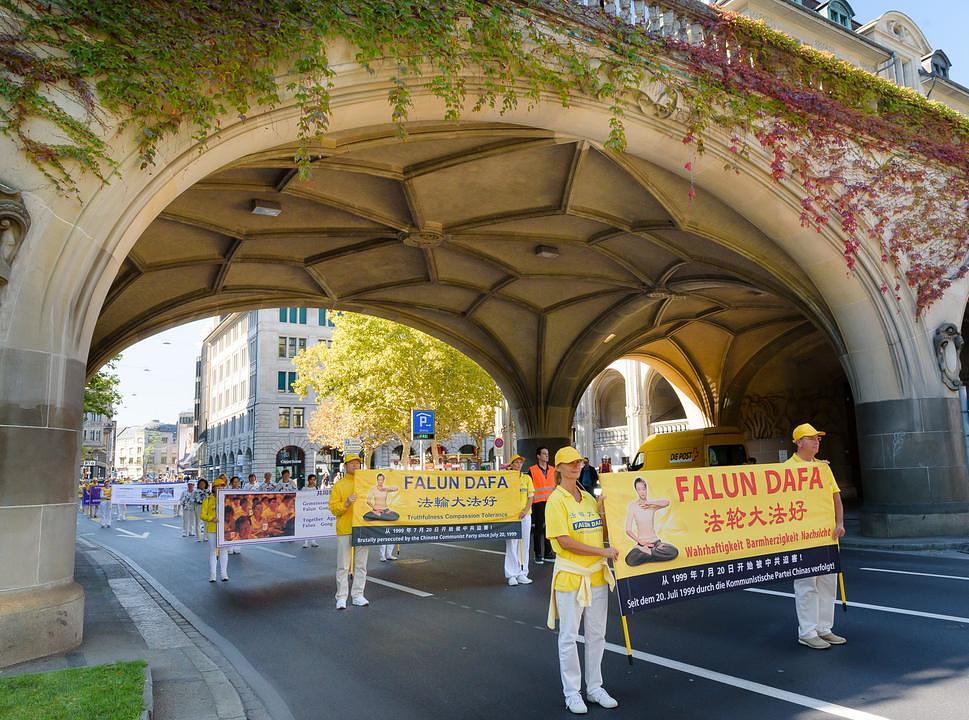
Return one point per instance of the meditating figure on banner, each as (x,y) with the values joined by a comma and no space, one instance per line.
(378,500)
(641,527)
(814,596)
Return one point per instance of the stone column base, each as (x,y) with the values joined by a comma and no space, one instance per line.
(913,468)
(40,621)
(914,524)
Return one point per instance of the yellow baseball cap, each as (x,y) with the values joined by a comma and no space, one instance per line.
(567,455)
(351,457)
(516,457)
(219,482)
(805,430)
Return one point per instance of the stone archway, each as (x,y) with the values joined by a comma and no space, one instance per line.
(557,258)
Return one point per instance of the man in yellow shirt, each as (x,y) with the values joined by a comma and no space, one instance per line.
(814,596)
(581,580)
(342,498)
(516,551)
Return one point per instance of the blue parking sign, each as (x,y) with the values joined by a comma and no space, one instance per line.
(422,424)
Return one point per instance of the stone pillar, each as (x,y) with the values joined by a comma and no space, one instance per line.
(41,607)
(585,434)
(913,466)
(637,405)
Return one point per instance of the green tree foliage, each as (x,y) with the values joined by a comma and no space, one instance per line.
(102,393)
(377,371)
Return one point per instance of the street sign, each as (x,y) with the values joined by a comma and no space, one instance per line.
(90,463)
(422,424)
(499,443)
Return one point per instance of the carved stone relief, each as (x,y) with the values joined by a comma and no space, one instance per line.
(948,345)
(14,223)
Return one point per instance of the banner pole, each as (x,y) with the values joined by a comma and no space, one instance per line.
(844,600)
(353,553)
(625,632)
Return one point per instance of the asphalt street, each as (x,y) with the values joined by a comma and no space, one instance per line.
(445,637)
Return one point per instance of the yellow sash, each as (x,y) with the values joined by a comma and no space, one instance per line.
(585,585)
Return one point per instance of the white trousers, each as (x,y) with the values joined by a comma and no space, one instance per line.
(387,551)
(343,568)
(105,512)
(814,599)
(570,615)
(517,564)
(223,558)
(190,521)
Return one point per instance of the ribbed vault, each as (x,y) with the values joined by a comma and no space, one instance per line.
(450,232)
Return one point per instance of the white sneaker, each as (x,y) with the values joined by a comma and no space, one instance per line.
(575,705)
(341,604)
(512,581)
(314,544)
(524,580)
(360,601)
(212,578)
(391,557)
(602,698)
(383,559)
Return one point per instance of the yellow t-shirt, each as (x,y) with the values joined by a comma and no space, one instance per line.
(795,459)
(343,489)
(527,488)
(580,521)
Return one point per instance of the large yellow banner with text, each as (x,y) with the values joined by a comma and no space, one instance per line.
(691,532)
(405,506)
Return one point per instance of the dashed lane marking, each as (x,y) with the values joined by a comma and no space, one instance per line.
(274,552)
(402,588)
(465,547)
(173,527)
(920,574)
(878,608)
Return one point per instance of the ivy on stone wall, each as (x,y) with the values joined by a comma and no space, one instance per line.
(879,160)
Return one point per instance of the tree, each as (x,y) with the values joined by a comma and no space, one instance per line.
(377,371)
(102,393)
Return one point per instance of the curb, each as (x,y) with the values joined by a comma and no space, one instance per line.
(147,696)
(906,544)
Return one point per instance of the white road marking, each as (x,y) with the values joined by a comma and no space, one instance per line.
(879,608)
(906,572)
(87,543)
(141,536)
(465,547)
(173,527)
(748,685)
(395,586)
(274,552)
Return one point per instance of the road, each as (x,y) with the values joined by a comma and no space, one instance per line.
(452,640)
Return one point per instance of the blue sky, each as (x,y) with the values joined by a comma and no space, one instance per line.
(943,22)
(168,385)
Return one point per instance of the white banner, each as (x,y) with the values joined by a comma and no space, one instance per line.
(147,493)
(247,518)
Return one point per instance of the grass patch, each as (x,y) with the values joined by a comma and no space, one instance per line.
(103,692)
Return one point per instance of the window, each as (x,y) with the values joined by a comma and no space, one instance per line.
(292,381)
(297,417)
(281,348)
(840,14)
(325,321)
(284,415)
(282,314)
(281,381)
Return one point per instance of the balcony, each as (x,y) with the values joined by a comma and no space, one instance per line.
(679,19)
(669,426)
(611,436)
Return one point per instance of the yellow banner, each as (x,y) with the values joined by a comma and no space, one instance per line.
(691,532)
(404,506)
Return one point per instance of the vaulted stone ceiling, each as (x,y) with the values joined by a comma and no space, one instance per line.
(448,232)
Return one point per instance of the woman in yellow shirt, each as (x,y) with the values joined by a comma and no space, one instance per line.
(209,515)
(581,580)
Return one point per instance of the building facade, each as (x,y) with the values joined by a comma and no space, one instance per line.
(148,452)
(97,446)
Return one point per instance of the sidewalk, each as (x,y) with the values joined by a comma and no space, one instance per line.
(853,539)
(126,619)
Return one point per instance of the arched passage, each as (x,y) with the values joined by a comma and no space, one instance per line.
(518,239)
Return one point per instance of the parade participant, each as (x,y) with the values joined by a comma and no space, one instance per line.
(201,492)
(105,507)
(310,487)
(189,516)
(581,580)
(251,483)
(814,596)
(209,515)
(285,483)
(267,482)
(342,498)
(235,483)
(516,551)
(589,477)
(543,479)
